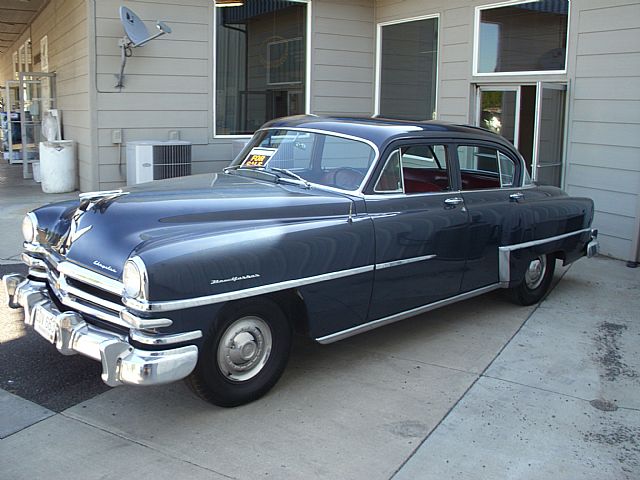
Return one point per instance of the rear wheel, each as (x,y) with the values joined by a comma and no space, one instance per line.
(536,281)
(244,355)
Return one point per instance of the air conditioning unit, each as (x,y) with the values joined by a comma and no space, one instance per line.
(149,160)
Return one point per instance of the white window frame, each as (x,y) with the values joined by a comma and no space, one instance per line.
(16,64)
(307,83)
(476,42)
(278,42)
(44,54)
(378,71)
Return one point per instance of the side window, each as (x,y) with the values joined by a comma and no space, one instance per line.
(415,169)
(424,169)
(390,180)
(485,168)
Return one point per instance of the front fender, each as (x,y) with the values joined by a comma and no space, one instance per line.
(219,263)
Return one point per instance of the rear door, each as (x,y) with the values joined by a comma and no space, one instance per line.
(489,181)
(420,226)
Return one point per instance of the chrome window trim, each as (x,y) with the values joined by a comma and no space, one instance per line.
(380,196)
(168,305)
(365,327)
(404,261)
(504,253)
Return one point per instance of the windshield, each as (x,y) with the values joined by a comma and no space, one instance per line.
(313,157)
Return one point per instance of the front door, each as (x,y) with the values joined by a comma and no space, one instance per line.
(420,228)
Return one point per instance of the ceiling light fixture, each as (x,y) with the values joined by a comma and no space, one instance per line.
(229,3)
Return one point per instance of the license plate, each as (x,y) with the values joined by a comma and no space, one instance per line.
(45,323)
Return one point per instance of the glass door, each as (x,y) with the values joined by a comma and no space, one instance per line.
(498,110)
(531,116)
(549,134)
(37,96)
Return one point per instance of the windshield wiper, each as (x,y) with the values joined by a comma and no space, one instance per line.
(292,175)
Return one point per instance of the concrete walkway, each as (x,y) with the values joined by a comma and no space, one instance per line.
(481,389)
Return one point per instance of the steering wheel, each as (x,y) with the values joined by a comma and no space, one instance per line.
(346,178)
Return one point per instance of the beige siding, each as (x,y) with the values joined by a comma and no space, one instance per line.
(343,57)
(603,154)
(167,83)
(65,24)
(603,146)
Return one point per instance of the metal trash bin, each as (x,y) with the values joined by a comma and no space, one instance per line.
(58,170)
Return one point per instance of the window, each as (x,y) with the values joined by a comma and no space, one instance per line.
(415,169)
(522,37)
(323,159)
(260,64)
(44,54)
(485,167)
(407,69)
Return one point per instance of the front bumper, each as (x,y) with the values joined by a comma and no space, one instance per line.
(71,334)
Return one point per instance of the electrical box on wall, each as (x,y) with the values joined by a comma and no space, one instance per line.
(149,160)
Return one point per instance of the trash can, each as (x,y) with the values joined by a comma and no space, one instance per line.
(58,166)
(36,171)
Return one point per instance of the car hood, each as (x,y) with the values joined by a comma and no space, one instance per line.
(180,209)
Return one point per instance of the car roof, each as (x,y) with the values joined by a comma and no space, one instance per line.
(381,131)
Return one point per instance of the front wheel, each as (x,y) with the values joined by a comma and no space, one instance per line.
(536,281)
(244,355)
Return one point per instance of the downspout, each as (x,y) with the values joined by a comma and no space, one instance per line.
(634,254)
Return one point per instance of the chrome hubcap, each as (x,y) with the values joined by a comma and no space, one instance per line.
(535,272)
(244,348)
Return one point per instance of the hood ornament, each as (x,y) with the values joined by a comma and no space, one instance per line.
(88,201)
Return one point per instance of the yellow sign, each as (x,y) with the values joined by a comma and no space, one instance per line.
(258,157)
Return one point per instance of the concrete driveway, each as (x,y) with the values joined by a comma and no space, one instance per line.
(481,389)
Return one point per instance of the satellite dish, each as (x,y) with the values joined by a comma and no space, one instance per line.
(136,35)
(133,26)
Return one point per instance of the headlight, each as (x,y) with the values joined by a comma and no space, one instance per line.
(29,228)
(133,278)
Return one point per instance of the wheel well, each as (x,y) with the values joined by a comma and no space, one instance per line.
(294,308)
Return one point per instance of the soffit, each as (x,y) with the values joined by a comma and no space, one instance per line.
(15,17)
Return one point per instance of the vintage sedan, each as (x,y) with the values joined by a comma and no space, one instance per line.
(324,226)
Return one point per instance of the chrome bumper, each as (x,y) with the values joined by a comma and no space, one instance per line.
(71,334)
(593,247)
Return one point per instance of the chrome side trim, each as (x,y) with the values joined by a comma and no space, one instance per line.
(141,323)
(404,261)
(92,278)
(504,253)
(150,339)
(365,327)
(168,305)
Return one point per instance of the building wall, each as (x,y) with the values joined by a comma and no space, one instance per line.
(169,86)
(603,108)
(604,123)
(65,24)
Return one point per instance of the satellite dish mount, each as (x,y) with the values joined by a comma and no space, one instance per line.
(136,35)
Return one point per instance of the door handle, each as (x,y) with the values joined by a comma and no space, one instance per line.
(453,201)
(514,197)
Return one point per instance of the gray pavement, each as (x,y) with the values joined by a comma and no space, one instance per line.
(480,389)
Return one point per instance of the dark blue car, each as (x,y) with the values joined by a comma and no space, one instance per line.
(325,226)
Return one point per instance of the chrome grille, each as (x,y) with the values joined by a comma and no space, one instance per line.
(79,288)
